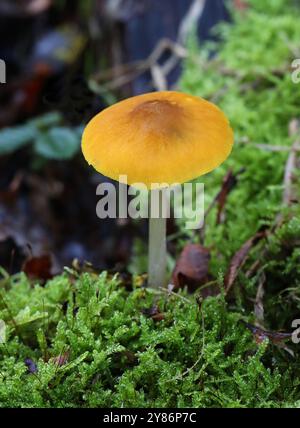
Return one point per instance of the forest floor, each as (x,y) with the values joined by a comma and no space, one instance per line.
(222,337)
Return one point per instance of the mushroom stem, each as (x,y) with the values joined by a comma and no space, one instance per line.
(157,241)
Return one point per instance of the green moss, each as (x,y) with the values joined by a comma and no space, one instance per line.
(117,356)
(250,79)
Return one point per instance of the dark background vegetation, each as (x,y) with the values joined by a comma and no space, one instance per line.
(74,58)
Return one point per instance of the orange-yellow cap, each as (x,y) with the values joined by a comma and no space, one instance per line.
(159,137)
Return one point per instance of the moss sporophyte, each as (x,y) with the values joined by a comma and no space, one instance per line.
(158,139)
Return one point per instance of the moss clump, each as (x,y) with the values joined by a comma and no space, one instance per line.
(250,79)
(112,354)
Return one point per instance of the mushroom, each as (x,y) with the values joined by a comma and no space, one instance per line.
(161,137)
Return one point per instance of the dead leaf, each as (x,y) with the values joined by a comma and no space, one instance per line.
(192,267)
(38,267)
(260,334)
(228,184)
(61,360)
(154,313)
(239,259)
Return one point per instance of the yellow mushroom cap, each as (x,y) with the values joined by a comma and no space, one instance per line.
(160,137)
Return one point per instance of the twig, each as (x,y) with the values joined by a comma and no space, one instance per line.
(159,78)
(170,292)
(253,268)
(191,18)
(291,163)
(258,304)
(269,147)
(116,77)
(217,198)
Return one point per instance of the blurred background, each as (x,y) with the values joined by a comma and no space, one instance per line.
(66,60)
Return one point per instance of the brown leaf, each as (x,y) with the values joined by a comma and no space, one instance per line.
(228,184)
(192,267)
(260,334)
(38,267)
(239,259)
(61,360)
(154,313)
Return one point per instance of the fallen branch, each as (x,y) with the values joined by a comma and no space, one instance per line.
(239,259)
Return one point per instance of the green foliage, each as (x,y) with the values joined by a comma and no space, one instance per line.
(49,138)
(12,139)
(117,356)
(58,143)
(250,79)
